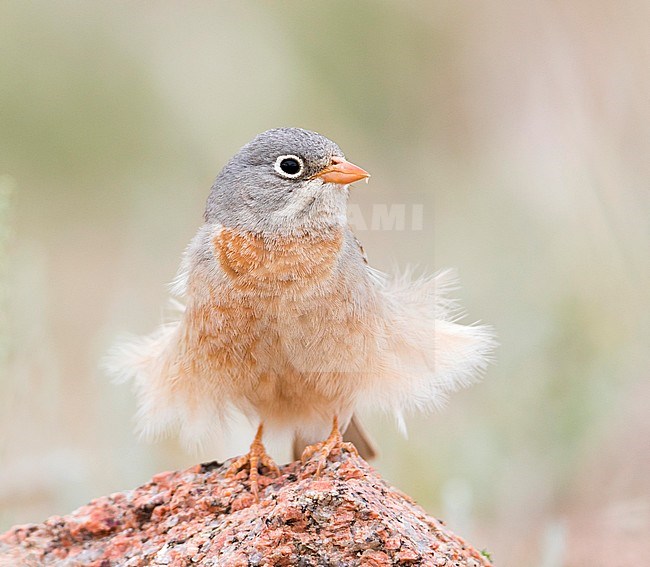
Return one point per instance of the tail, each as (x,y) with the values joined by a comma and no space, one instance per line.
(360,438)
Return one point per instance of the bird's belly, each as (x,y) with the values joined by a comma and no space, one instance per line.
(289,361)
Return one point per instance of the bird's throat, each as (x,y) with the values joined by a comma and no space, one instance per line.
(253,260)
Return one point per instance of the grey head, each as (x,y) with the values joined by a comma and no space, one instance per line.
(286,181)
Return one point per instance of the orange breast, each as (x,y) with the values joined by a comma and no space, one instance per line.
(254,261)
(231,326)
(264,333)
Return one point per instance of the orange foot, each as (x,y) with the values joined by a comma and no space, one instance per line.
(256,459)
(333,444)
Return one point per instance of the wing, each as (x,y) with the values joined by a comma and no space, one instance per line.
(361,248)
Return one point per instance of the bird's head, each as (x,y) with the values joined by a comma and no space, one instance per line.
(286,181)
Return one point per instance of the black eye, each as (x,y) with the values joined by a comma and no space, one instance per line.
(289,166)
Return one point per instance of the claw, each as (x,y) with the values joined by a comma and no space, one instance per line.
(256,459)
(333,444)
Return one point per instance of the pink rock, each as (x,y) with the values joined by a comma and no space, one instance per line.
(346,516)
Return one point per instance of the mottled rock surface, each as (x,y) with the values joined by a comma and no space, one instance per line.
(346,517)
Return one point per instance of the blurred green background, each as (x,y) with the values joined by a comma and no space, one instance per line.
(522,129)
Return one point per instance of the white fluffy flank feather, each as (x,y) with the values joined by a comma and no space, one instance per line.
(424,353)
(172,395)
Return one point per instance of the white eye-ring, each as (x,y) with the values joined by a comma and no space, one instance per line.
(289,166)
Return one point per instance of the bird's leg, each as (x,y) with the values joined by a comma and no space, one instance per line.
(332,444)
(255,459)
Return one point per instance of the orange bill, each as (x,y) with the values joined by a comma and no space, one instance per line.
(342,172)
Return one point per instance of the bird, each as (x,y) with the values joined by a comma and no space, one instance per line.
(282,318)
